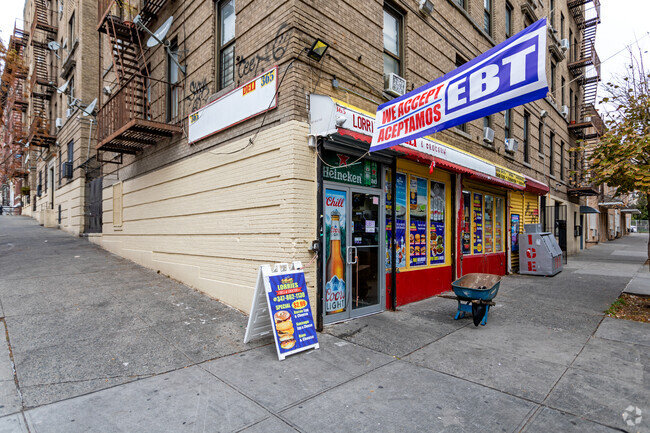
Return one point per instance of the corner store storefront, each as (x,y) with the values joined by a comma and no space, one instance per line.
(451,215)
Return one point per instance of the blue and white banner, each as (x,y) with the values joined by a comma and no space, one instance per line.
(511,74)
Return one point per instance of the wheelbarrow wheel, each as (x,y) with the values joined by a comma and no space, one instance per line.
(478,312)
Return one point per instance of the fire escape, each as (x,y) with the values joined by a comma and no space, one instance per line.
(587,125)
(137,114)
(43,78)
(12,96)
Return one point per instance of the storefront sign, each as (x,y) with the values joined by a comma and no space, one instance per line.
(400,223)
(343,168)
(249,100)
(282,294)
(510,176)
(514,232)
(510,74)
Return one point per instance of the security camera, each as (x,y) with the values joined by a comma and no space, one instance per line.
(543,114)
(340,120)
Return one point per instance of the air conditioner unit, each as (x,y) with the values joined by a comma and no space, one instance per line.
(488,135)
(565,111)
(564,44)
(68,112)
(511,145)
(426,6)
(67,170)
(58,122)
(394,84)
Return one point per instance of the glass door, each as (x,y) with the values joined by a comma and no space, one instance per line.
(353,275)
(365,266)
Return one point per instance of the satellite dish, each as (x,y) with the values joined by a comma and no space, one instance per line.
(53,45)
(89,109)
(63,88)
(159,35)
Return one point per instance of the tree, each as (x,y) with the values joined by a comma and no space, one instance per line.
(621,159)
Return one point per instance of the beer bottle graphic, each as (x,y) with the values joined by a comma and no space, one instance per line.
(335,269)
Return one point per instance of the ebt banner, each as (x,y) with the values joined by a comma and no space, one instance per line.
(511,74)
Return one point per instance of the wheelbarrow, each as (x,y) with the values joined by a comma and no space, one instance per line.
(474,293)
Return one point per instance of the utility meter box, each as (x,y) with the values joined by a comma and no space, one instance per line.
(539,254)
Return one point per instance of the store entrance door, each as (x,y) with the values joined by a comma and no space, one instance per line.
(353,229)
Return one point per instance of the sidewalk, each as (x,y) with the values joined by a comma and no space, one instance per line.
(100,344)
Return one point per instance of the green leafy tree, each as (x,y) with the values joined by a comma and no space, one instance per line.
(621,159)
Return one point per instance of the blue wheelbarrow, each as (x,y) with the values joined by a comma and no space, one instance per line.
(474,293)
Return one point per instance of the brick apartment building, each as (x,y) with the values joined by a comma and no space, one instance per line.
(224,145)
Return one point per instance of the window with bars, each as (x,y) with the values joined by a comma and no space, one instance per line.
(226,43)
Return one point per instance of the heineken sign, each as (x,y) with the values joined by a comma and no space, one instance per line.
(339,167)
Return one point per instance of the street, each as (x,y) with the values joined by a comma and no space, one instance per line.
(96,343)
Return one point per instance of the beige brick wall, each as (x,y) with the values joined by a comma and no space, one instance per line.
(211,220)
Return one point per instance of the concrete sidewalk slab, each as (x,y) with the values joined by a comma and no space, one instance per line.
(512,373)
(640,282)
(9,398)
(550,420)
(621,361)
(627,331)
(278,385)
(600,398)
(269,425)
(186,400)
(432,401)
(13,424)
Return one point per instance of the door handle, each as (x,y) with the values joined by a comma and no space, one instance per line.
(351,255)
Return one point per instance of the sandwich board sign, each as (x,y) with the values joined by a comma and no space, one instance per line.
(281,308)
(510,74)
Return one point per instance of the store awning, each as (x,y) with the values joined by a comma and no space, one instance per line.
(330,117)
(535,186)
(588,209)
(612,204)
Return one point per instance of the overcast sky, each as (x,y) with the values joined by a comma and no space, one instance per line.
(623,22)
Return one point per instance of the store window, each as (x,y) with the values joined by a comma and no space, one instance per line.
(226,44)
(421,221)
(482,223)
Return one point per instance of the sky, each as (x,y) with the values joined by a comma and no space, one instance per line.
(623,22)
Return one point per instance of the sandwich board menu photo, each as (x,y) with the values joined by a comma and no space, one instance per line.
(281,296)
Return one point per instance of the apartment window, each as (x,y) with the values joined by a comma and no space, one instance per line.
(392,41)
(552,13)
(487,16)
(562,91)
(575,50)
(571,108)
(526,139)
(541,138)
(508,123)
(60,166)
(39,188)
(461,3)
(71,151)
(551,146)
(553,80)
(562,160)
(508,20)
(172,78)
(487,123)
(71,31)
(561,26)
(226,53)
(570,47)
(576,107)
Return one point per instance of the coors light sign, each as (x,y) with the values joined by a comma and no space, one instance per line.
(335,269)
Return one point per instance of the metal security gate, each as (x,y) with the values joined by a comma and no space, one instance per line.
(555,221)
(94,205)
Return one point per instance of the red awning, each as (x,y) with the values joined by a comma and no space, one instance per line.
(355,135)
(535,186)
